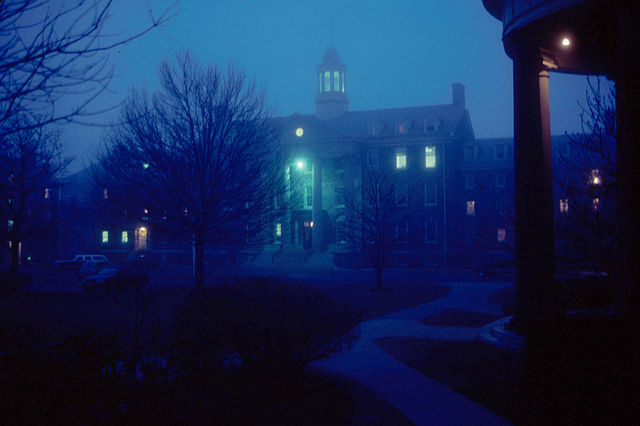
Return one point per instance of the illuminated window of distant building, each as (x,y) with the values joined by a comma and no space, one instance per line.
(564,205)
(105,237)
(501,235)
(471,208)
(500,179)
(308,196)
(10,225)
(501,151)
(429,157)
(401,158)
(469,181)
(342,81)
(595,178)
(340,199)
(595,204)
(278,232)
(327,81)
(105,193)
(124,238)
(430,194)
(46,193)
(431,231)
(401,195)
(372,158)
(336,81)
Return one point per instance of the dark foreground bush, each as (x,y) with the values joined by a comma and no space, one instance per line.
(267,323)
(584,368)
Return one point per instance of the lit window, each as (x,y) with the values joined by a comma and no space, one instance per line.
(124,238)
(327,81)
(500,179)
(564,205)
(430,157)
(431,231)
(469,181)
(278,230)
(471,208)
(501,235)
(401,195)
(430,194)
(372,158)
(145,166)
(501,151)
(342,81)
(336,81)
(401,158)
(105,193)
(46,193)
(595,204)
(105,237)
(595,177)
(10,225)
(340,200)
(308,192)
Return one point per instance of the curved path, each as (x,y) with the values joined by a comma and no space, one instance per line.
(422,400)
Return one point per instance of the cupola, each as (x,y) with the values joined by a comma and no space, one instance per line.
(331,100)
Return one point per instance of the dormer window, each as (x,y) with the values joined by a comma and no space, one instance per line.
(402,127)
(374,127)
(431,124)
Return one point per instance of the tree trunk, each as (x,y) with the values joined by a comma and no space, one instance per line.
(199,261)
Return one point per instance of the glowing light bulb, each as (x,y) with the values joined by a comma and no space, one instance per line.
(566,42)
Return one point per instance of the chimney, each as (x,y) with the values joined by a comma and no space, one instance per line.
(457,90)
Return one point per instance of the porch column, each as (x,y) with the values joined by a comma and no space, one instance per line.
(317,233)
(535,269)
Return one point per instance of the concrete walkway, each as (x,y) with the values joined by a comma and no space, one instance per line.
(421,399)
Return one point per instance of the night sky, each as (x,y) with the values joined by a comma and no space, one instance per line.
(397,53)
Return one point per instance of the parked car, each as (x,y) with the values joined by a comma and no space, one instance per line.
(116,277)
(78,260)
(143,259)
(91,267)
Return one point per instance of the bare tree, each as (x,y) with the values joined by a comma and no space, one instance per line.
(203,150)
(586,226)
(31,163)
(52,49)
(376,224)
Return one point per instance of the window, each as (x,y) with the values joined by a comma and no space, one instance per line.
(278,233)
(46,193)
(430,157)
(327,81)
(105,194)
(471,152)
(595,178)
(401,195)
(374,127)
(308,196)
(336,81)
(501,235)
(320,82)
(469,181)
(431,125)
(501,151)
(500,180)
(401,158)
(340,195)
(430,194)
(595,204)
(402,127)
(471,208)
(105,237)
(124,237)
(564,205)
(342,80)
(431,231)
(372,158)
(402,231)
